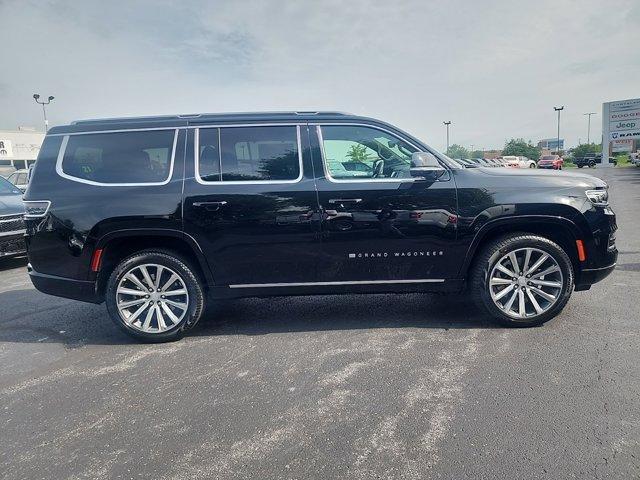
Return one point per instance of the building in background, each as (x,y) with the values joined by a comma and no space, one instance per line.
(19,148)
(550,144)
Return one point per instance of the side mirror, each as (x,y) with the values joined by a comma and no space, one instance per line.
(426,165)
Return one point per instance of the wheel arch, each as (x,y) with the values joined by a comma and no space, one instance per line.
(119,244)
(557,229)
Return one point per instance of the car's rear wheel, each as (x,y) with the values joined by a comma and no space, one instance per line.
(522,280)
(532,166)
(154,296)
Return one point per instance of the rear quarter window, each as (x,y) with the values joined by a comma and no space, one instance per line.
(142,157)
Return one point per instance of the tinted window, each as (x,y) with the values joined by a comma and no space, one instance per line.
(209,154)
(125,157)
(7,187)
(364,152)
(259,153)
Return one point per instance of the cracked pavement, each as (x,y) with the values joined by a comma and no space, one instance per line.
(382,386)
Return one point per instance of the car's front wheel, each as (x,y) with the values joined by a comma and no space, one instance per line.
(522,279)
(154,296)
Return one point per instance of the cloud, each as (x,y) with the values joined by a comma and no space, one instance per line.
(495,68)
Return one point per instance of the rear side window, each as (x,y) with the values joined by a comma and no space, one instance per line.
(120,158)
(249,154)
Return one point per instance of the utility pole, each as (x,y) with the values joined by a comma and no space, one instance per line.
(558,109)
(447,123)
(589,125)
(36,97)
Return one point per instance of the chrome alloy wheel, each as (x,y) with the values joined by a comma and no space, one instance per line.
(152,298)
(526,282)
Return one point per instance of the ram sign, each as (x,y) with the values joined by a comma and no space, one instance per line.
(5,149)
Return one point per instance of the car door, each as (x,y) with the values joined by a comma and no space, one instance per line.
(249,202)
(388,226)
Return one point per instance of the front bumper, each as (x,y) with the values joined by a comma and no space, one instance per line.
(589,276)
(82,290)
(12,244)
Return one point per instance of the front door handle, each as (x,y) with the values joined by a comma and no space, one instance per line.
(211,206)
(345,200)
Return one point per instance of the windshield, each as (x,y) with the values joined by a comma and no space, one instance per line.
(7,188)
(548,157)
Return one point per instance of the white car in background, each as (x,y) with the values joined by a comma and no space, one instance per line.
(519,162)
(20,178)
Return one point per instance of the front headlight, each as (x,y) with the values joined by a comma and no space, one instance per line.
(599,198)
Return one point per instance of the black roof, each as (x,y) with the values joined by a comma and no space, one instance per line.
(200,118)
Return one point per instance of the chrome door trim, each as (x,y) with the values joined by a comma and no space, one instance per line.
(325,284)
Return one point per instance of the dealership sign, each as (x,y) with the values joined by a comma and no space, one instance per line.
(6,151)
(624,145)
(621,122)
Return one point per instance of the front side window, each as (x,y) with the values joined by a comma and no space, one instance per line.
(357,152)
(122,157)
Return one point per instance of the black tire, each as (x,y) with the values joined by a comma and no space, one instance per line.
(186,273)
(495,250)
(580,166)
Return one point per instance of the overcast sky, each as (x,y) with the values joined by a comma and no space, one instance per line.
(495,68)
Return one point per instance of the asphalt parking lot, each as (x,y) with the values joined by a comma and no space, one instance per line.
(384,386)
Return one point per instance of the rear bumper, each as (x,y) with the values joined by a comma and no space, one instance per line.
(82,290)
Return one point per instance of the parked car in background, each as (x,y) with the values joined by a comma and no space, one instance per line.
(589,160)
(20,178)
(11,222)
(634,158)
(519,162)
(554,162)
(468,163)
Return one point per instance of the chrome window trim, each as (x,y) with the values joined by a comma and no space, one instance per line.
(348,282)
(63,148)
(196,155)
(119,130)
(354,180)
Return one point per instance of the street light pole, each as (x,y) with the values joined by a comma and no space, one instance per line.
(558,109)
(589,125)
(36,97)
(447,125)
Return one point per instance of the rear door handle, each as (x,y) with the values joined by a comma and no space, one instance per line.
(211,206)
(345,200)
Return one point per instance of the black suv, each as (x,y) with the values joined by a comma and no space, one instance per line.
(157,216)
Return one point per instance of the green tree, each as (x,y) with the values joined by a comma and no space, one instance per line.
(358,153)
(477,154)
(457,151)
(583,149)
(521,148)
